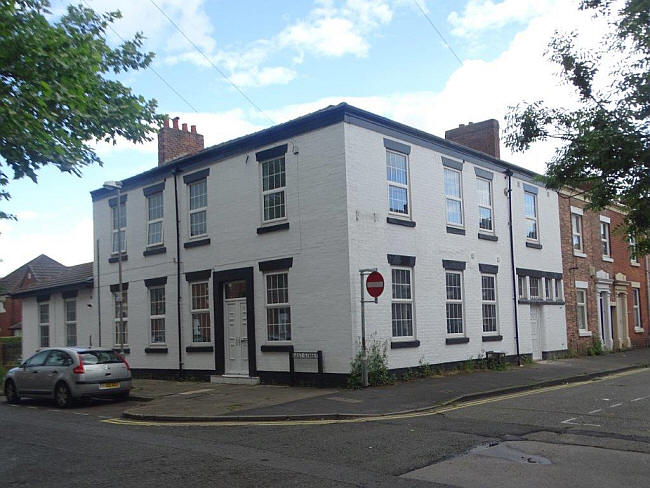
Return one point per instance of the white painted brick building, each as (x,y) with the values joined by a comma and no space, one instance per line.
(274,227)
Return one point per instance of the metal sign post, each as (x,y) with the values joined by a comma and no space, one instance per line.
(376,292)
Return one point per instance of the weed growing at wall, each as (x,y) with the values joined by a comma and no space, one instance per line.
(377,365)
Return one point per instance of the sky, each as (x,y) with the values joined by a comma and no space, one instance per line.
(292,57)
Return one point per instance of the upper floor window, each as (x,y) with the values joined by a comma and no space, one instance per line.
(548,288)
(454,197)
(604,238)
(484,190)
(198,207)
(398,186)
(521,283)
(559,294)
(70,311)
(402,302)
(274,183)
(633,251)
(155,220)
(119,227)
(576,232)
(534,286)
(530,210)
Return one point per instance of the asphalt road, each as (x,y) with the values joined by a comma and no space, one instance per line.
(594,434)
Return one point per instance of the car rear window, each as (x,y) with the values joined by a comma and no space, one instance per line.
(99,357)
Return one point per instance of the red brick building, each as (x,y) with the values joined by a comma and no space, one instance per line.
(39,269)
(606,286)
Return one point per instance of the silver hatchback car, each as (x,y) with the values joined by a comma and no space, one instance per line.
(69,373)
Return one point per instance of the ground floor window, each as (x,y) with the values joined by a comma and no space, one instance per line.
(278,309)
(454,305)
(70,322)
(581,308)
(200,312)
(489,302)
(402,302)
(637,308)
(44,324)
(157,314)
(121,327)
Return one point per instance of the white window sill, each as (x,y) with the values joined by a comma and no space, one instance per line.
(638,330)
(580,254)
(194,238)
(635,264)
(584,333)
(158,344)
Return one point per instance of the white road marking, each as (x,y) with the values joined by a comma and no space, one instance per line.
(79,413)
(615,405)
(607,399)
(33,407)
(596,411)
(195,391)
(570,422)
(640,398)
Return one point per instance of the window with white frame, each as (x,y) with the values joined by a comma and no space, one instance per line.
(530,210)
(278,309)
(274,182)
(70,314)
(576,232)
(157,314)
(633,251)
(121,329)
(548,288)
(521,283)
(200,312)
(454,197)
(402,302)
(454,304)
(397,174)
(198,207)
(489,302)
(44,324)
(484,189)
(155,220)
(604,239)
(636,294)
(581,308)
(558,290)
(119,228)
(534,286)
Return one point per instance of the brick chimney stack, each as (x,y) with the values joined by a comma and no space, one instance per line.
(482,136)
(174,142)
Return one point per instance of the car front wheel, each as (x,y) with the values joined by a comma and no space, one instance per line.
(10,392)
(62,395)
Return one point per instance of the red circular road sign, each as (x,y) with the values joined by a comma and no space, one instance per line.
(375,284)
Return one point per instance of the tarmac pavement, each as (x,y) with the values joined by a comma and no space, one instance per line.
(196,401)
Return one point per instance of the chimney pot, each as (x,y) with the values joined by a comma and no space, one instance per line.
(193,129)
(175,122)
(166,122)
(185,127)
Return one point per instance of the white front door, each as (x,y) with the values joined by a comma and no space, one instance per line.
(536,331)
(236,336)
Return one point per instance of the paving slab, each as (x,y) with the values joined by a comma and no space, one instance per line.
(265,402)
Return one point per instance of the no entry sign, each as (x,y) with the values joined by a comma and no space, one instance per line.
(375,284)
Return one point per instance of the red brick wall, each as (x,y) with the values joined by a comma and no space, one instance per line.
(621,255)
(482,136)
(174,142)
(12,315)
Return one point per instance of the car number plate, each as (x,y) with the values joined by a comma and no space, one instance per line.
(106,386)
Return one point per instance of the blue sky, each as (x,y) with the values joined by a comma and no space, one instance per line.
(293,57)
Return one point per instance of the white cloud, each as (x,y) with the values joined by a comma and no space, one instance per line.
(74,245)
(480,15)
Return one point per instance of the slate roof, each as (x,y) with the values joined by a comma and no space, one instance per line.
(43,268)
(69,277)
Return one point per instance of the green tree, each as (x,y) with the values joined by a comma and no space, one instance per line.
(58,92)
(604,142)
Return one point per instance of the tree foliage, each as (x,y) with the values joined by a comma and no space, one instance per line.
(58,92)
(605,143)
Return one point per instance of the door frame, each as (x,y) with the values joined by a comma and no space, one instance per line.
(219,279)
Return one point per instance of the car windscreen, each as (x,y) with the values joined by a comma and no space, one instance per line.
(99,357)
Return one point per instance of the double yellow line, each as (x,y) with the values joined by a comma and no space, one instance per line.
(370,418)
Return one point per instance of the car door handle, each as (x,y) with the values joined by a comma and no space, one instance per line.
(34,372)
